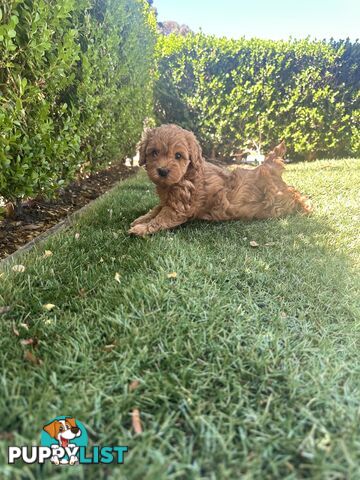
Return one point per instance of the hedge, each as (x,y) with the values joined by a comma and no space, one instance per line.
(75,87)
(231,92)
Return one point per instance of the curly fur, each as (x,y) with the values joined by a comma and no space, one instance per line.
(194,188)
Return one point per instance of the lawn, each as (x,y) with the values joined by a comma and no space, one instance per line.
(248,360)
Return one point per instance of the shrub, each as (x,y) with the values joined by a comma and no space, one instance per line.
(231,92)
(75,87)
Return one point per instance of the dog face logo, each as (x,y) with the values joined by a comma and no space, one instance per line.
(64,435)
(63,430)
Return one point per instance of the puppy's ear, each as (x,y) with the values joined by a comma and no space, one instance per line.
(195,150)
(52,428)
(146,135)
(71,421)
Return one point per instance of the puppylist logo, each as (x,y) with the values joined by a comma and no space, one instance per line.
(64,441)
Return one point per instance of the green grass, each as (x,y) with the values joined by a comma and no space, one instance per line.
(248,361)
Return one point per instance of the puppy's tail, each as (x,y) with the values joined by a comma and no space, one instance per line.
(290,199)
(275,159)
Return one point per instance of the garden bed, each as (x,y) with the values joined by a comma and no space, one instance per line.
(39,215)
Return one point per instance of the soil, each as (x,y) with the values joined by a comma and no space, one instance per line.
(38,215)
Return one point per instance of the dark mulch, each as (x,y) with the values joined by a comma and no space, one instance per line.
(39,215)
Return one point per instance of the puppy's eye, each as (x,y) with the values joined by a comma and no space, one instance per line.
(61,429)
(154,153)
(178,156)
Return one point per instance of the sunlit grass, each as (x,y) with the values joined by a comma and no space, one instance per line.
(248,361)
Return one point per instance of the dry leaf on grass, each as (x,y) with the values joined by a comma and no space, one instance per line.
(29,341)
(134,385)
(270,244)
(16,331)
(31,358)
(77,236)
(253,243)
(18,268)
(4,310)
(172,275)
(136,422)
(7,436)
(49,306)
(24,325)
(47,253)
(109,347)
(117,277)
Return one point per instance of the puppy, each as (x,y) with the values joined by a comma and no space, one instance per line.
(189,187)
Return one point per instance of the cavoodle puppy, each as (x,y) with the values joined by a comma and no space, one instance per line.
(189,187)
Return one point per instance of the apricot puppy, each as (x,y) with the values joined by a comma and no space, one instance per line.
(189,187)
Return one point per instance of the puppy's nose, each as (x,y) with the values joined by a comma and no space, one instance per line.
(163,172)
(75,429)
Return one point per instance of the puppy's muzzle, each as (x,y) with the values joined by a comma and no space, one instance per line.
(163,172)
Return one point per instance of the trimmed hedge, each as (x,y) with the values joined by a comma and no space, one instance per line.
(75,87)
(230,92)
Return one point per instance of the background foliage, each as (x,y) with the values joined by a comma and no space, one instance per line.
(77,82)
(233,91)
(75,87)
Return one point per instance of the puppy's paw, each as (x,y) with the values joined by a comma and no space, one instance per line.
(136,222)
(139,229)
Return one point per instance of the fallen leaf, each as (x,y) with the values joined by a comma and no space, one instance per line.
(24,325)
(31,358)
(4,310)
(117,277)
(16,331)
(270,244)
(109,347)
(77,236)
(134,385)
(18,268)
(136,422)
(172,275)
(33,226)
(253,243)
(49,306)
(101,260)
(27,341)
(9,210)
(47,253)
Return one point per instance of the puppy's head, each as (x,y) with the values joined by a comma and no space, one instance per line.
(63,430)
(169,153)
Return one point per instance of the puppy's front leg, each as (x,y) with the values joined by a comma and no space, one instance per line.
(167,218)
(148,216)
